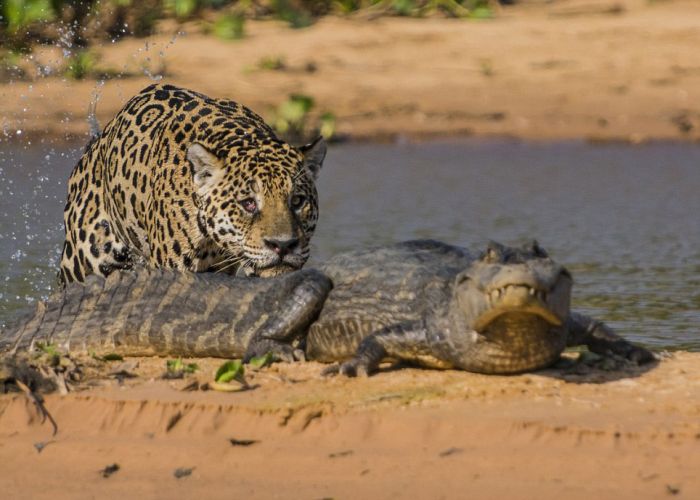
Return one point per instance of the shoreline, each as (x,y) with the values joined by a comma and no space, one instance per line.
(527,75)
(632,434)
(532,74)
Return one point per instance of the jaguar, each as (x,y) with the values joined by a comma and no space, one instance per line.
(183,181)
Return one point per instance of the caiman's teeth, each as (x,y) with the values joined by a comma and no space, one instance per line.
(495,294)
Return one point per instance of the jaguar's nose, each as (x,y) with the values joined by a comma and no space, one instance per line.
(281,247)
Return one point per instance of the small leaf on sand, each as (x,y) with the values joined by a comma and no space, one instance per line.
(261,361)
(179,366)
(229,371)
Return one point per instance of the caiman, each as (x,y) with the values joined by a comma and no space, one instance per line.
(504,310)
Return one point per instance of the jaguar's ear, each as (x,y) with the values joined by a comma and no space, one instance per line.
(314,154)
(206,167)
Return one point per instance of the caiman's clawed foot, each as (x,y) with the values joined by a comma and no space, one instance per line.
(634,353)
(280,351)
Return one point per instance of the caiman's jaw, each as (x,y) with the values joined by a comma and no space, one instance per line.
(520,300)
(510,307)
(514,327)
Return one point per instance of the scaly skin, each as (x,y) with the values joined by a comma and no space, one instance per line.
(425,302)
(436,305)
(160,312)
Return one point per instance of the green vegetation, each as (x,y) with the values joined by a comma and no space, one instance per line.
(272,63)
(295,121)
(178,367)
(230,27)
(259,362)
(327,125)
(18,14)
(297,15)
(81,65)
(230,370)
(74,25)
(76,22)
(182,9)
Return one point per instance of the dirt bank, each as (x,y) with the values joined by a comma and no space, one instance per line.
(417,433)
(594,69)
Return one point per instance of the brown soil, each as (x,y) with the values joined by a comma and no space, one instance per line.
(587,69)
(403,433)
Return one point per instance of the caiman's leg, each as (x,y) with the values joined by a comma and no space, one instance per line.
(601,339)
(291,318)
(408,342)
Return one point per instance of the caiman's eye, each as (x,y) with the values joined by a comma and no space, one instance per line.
(249,205)
(297,201)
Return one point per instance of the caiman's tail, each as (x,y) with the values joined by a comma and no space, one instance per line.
(164,312)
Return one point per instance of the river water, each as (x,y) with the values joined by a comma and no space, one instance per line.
(625,220)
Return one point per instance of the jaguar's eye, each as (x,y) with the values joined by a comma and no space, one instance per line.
(249,205)
(297,201)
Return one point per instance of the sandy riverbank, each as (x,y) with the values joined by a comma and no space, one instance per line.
(595,69)
(595,72)
(406,433)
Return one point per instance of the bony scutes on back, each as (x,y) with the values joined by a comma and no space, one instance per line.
(505,311)
(423,302)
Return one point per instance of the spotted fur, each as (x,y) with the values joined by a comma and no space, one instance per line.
(183,181)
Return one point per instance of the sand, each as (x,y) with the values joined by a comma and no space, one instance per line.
(594,70)
(598,70)
(405,433)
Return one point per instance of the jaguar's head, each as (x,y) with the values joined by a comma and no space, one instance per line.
(258,205)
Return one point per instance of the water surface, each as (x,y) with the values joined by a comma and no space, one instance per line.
(623,219)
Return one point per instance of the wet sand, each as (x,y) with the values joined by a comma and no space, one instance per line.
(403,433)
(599,70)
